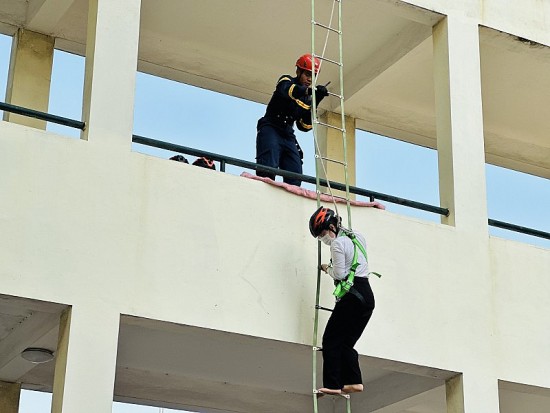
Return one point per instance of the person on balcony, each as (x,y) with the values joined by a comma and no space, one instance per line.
(355,302)
(179,158)
(205,162)
(276,144)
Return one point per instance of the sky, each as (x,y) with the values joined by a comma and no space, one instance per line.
(193,117)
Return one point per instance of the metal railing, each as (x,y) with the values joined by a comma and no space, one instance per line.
(519,228)
(224,160)
(304,178)
(19,110)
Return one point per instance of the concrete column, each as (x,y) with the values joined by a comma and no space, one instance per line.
(86,361)
(110,72)
(29,75)
(331,146)
(481,393)
(462,188)
(459,122)
(454,391)
(9,397)
(472,392)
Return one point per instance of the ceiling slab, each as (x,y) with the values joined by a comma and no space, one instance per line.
(44,15)
(170,365)
(401,43)
(25,323)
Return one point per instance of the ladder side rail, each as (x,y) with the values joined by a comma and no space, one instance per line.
(317,185)
(342,115)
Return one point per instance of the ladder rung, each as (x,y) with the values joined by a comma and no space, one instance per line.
(334,196)
(326,27)
(336,94)
(331,160)
(341,197)
(317,348)
(330,126)
(318,307)
(328,60)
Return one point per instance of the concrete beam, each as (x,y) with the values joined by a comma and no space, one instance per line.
(44,15)
(386,56)
(517,155)
(392,389)
(18,305)
(408,368)
(408,11)
(430,401)
(192,393)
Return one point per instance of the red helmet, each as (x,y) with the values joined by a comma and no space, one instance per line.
(304,62)
(321,220)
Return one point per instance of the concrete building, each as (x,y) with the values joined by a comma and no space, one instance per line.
(164,284)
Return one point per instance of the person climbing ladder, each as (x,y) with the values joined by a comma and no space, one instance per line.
(354,306)
(276,144)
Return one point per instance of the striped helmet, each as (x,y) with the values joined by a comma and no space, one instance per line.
(321,220)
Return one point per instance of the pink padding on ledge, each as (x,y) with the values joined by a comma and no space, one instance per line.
(310,194)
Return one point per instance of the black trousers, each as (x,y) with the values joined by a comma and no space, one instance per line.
(278,148)
(345,326)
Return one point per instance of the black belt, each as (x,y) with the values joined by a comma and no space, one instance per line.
(353,291)
(279,117)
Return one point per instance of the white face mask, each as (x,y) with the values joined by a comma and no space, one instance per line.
(327,239)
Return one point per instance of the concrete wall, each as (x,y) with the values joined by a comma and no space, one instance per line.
(521,296)
(132,234)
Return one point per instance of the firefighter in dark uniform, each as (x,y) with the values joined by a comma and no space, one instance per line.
(276,144)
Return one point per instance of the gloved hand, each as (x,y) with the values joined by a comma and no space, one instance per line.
(321,91)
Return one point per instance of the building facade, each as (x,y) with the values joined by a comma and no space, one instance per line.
(164,284)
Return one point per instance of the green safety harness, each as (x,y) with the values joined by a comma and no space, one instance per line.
(346,285)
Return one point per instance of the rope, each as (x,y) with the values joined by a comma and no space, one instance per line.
(318,159)
(328,33)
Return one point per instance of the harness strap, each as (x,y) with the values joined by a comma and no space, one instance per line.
(346,285)
(358,295)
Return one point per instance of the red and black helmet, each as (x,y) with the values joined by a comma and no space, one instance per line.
(321,220)
(305,62)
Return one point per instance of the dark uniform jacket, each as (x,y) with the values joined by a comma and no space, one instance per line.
(290,103)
